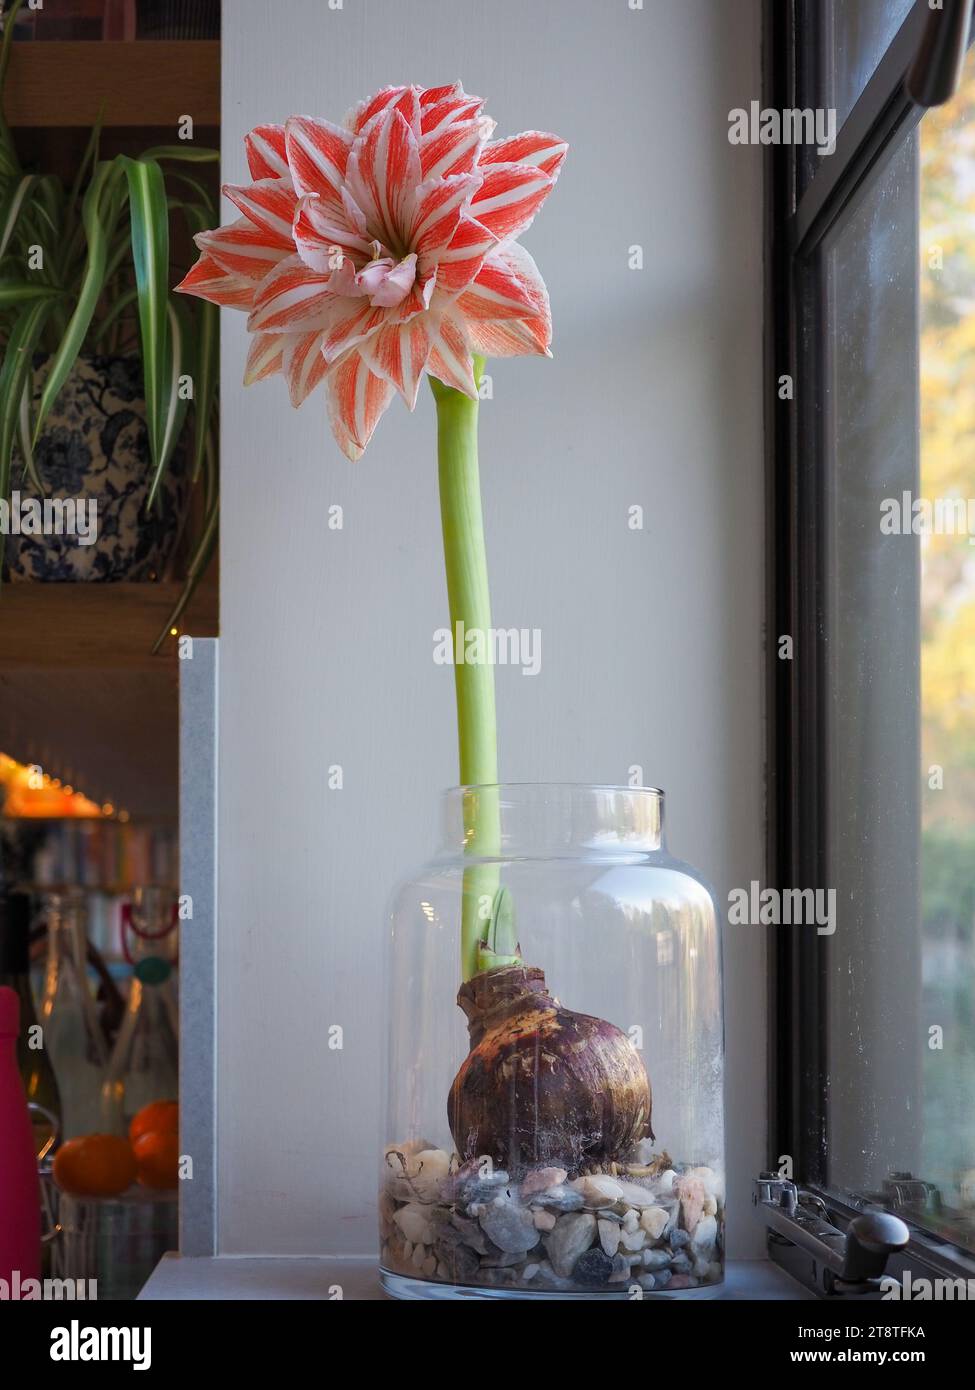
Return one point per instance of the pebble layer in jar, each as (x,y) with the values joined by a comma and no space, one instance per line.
(648,1222)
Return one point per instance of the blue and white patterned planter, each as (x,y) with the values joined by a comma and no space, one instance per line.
(95,447)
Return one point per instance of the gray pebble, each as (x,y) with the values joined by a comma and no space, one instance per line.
(592,1268)
(509,1225)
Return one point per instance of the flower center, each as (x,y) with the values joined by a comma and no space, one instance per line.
(385,281)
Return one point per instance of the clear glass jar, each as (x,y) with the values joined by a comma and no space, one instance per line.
(72,1033)
(561,1133)
(144,1065)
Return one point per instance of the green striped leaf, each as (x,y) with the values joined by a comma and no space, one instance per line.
(93,280)
(205,381)
(149,220)
(24,434)
(21,291)
(15,380)
(186,154)
(12,209)
(175,404)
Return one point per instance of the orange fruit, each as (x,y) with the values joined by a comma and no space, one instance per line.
(95,1165)
(159,1117)
(157,1157)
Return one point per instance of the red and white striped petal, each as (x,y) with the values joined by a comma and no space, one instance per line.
(293,299)
(450,359)
(398,353)
(354,321)
(492,322)
(455,105)
(269,204)
(354,215)
(318,155)
(406,100)
(266,154)
(430,95)
(453,149)
(243,249)
(536,147)
(304,366)
(509,197)
(383,176)
(459,262)
(439,205)
(324,239)
(507,338)
(209,280)
(264,357)
(356,401)
(508,286)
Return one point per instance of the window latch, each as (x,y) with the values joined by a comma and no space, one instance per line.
(852,1261)
(933,77)
(905,1190)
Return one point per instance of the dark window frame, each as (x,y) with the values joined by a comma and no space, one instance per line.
(799,464)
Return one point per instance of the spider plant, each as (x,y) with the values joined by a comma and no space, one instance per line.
(86,268)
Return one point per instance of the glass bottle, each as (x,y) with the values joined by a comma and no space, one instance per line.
(36,1072)
(554,1124)
(72,1033)
(144,1066)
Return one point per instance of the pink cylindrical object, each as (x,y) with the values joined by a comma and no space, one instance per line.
(20,1198)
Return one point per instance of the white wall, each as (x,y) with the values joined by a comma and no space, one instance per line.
(652,642)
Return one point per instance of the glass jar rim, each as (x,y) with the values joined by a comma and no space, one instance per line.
(555,786)
(492,819)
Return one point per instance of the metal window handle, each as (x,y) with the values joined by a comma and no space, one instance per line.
(933,77)
(855,1259)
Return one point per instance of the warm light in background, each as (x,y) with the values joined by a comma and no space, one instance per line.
(26,791)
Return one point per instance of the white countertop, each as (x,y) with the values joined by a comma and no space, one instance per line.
(232,1277)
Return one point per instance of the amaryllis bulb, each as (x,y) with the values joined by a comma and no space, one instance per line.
(542,1084)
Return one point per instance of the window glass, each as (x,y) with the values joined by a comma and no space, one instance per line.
(947,548)
(898,607)
(871,959)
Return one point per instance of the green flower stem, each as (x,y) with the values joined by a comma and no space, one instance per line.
(465,559)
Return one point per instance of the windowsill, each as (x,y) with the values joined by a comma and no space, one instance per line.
(251,1277)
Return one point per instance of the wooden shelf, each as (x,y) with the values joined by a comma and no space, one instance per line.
(80,693)
(104,627)
(142,83)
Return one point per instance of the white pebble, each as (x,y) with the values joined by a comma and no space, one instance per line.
(713,1182)
(412,1221)
(544,1220)
(598,1191)
(705,1233)
(636,1196)
(654,1220)
(664,1185)
(609,1236)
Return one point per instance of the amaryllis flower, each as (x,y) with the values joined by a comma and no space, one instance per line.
(372,252)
